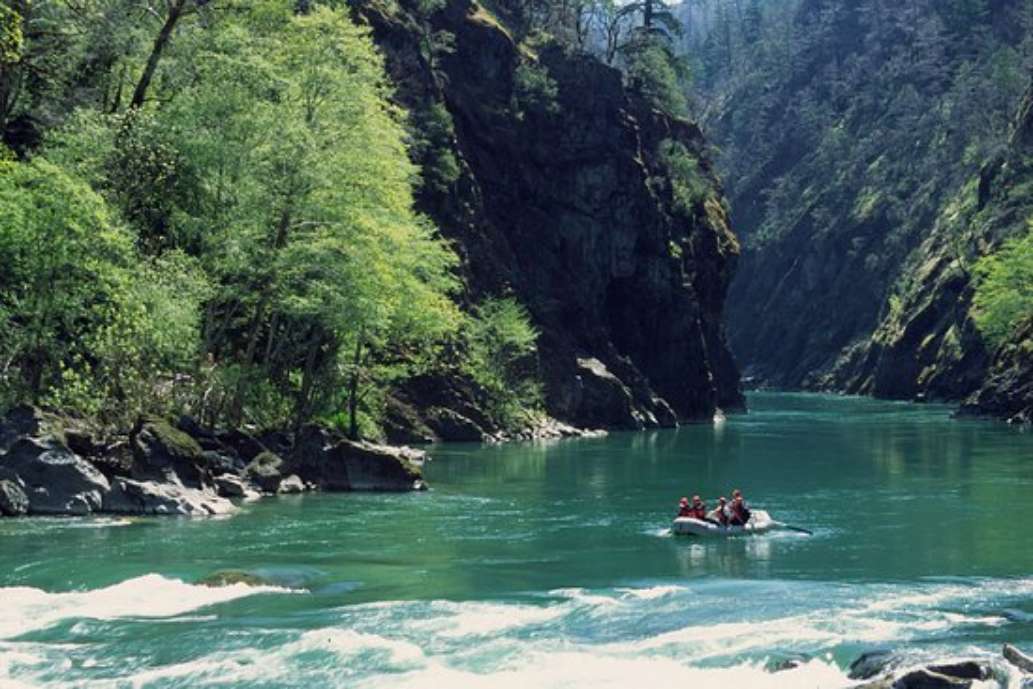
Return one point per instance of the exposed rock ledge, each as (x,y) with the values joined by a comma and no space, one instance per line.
(51,465)
(884,669)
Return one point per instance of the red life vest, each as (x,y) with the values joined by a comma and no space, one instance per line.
(685,512)
(698,512)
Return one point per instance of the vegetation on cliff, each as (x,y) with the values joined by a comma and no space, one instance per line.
(212,210)
(1003,298)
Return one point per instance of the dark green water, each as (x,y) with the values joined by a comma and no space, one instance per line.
(549,565)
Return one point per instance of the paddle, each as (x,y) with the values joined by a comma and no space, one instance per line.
(798,529)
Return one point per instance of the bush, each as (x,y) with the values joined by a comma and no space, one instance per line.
(534,90)
(653,72)
(1004,289)
(688,185)
(501,358)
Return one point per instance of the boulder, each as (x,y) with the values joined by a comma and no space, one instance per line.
(924,678)
(233,486)
(27,421)
(602,399)
(13,501)
(266,470)
(166,454)
(1017,658)
(221,463)
(53,478)
(790,663)
(242,443)
(117,460)
(448,424)
(290,485)
(872,663)
(967,669)
(128,496)
(336,464)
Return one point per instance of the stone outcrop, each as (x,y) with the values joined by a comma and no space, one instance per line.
(266,471)
(13,500)
(333,463)
(568,207)
(164,453)
(1007,391)
(53,478)
(41,473)
(156,498)
(169,471)
(884,669)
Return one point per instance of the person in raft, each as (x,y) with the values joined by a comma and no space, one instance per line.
(719,515)
(697,509)
(738,513)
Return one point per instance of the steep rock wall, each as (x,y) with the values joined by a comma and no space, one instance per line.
(567,205)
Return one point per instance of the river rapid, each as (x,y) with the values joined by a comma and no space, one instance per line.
(551,565)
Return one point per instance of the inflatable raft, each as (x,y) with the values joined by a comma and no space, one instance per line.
(760,522)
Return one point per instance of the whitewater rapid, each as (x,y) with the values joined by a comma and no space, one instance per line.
(704,634)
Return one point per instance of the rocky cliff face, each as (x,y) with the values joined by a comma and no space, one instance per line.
(562,199)
(867,178)
(926,344)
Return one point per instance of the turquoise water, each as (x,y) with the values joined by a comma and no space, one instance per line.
(550,565)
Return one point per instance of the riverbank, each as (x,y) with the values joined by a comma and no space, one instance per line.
(52,464)
(56,465)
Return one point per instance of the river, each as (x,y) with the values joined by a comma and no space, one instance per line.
(550,565)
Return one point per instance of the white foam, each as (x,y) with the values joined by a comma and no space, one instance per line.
(577,670)
(345,643)
(458,620)
(27,609)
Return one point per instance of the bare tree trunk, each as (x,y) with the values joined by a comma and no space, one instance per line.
(176,8)
(353,392)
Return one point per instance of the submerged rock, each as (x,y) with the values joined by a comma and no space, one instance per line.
(231,577)
(128,496)
(53,478)
(790,663)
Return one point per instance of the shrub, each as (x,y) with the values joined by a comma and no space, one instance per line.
(501,358)
(1004,289)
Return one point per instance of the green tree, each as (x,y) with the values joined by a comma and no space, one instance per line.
(85,322)
(501,346)
(1004,290)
